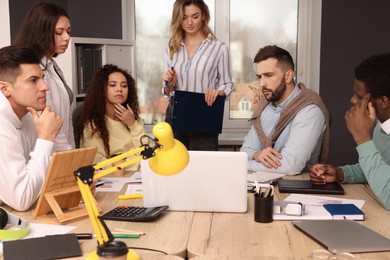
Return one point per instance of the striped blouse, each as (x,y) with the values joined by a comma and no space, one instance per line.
(209,67)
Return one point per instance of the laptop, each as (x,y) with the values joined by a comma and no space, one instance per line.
(306,186)
(212,182)
(343,235)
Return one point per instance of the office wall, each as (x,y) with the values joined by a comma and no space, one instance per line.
(88,18)
(352,30)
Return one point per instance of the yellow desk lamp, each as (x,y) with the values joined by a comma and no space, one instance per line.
(167,156)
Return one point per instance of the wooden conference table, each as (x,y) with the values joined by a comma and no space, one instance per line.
(168,234)
(221,236)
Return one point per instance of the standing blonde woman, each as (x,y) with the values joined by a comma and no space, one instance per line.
(46,29)
(195,61)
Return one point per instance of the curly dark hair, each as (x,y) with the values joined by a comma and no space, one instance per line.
(374,72)
(93,111)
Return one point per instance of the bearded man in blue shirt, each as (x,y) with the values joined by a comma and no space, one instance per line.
(290,130)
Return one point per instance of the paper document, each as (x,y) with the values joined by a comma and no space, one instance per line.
(314,206)
(112,184)
(133,189)
(263,177)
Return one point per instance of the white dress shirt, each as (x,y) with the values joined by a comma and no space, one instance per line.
(58,99)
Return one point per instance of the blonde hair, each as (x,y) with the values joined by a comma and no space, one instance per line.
(177,33)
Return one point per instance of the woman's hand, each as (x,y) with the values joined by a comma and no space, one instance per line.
(125,115)
(211,95)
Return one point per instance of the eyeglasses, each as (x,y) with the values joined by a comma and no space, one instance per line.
(321,254)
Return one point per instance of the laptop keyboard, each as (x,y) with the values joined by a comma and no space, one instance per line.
(134,214)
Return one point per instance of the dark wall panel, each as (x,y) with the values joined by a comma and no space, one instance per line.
(91,19)
(96,19)
(352,30)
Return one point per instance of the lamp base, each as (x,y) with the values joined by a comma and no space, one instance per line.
(131,255)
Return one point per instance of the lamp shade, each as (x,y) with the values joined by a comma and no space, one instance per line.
(173,156)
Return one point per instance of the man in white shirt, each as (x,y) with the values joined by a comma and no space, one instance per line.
(290,124)
(26,136)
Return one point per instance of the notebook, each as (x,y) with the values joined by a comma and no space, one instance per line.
(191,113)
(343,235)
(211,182)
(345,211)
(306,186)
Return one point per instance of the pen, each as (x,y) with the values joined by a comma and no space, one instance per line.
(84,236)
(165,81)
(99,184)
(130,196)
(125,236)
(128,231)
(267,192)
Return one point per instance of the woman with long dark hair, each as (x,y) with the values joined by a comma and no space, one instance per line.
(109,117)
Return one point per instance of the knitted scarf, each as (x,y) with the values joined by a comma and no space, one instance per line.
(305,97)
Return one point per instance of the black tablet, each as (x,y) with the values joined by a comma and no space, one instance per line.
(306,186)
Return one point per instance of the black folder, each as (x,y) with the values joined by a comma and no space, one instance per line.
(191,113)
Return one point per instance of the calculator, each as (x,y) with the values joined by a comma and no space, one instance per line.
(134,214)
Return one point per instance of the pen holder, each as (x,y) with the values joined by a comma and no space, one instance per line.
(264,208)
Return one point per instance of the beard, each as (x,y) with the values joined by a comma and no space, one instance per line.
(276,94)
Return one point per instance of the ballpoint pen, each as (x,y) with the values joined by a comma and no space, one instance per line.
(128,231)
(84,235)
(99,184)
(166,81)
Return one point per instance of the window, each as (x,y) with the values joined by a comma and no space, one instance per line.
(265,22)
(245,25)
(152,36)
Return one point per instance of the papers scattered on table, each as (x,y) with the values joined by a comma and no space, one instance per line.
(133,189)
(314,208)
(115,184)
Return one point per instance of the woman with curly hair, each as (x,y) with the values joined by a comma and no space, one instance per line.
(109,117)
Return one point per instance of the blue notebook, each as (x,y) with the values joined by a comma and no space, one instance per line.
(344,211)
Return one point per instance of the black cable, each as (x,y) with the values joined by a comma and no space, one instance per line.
(149,249)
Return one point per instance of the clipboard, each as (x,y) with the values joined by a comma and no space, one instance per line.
(191,113)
